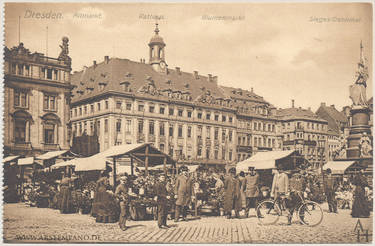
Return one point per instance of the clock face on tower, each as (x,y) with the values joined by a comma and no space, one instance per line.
(163,65)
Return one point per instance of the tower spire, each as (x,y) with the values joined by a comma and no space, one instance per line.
(156,28)
(361,57)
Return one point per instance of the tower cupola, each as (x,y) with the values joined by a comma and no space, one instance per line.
(157,51)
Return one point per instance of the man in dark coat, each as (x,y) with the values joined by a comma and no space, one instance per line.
(161,197)
(121,194)
(232,197)
(330,189)
(251,190)
(297,186)
(183,191)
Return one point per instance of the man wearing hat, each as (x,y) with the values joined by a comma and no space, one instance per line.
(161,197)
(122,195)
(183,190)
(297,186)
(330,189)
(232,195)
(251,189)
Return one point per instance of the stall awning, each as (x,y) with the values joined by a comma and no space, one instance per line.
(26,161)
(338,167)
(263,160)
(66,163)
(51,155)
(10,158)
(91,163)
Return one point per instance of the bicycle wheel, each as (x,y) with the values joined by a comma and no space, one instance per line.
(310,213)
(268,212)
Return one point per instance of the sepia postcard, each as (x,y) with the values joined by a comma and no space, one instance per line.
(192,123)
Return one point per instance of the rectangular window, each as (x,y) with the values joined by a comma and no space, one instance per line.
(189,132)
(161,110)
(80,128)
(98,106)
(106,104)
(106,125)
(92,108)
(171,111)
(128,106)
(199,115)
(49,132)
(216,154)
(20,131)
(140,126)
(91,127)
(151,108)
(180,112)
(216,117)
(71,113)
(239,140)
(230,155)
(75,112)
(199,133)
(27,70)
(230,135)
(180,131)
(208,132)
(118,125)
(208,153)
(20,69)
(151,128)
(208,116)
(161,148)
(189,114)
(199,151)
(55,74)
(80,111)
(216,136)
(141,107)
(162,129)
(20,99)
(13,68)
(171,131)
(85,109)
(224,118)
(49,102)
(128,126)
(223,136)
(118,104)
(230,119)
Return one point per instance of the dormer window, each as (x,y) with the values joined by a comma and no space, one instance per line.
(126,86)
(102,85)
(80,92)
(89,89)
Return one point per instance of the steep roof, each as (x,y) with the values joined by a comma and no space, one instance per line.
(114,71)
(333,116)
(241,94)
(297,113)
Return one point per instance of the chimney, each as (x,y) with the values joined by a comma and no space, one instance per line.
(106,59)
(178,70)
(323,104)
(333,106)
(292,103)
(210,77)
(94,64)
(252,90)
(215,79)
(196,76)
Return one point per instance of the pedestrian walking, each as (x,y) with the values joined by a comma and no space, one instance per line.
(122,194)
(241,178)
(232,197)
(251,190)
(161,197)
(280,186)
(183,191)
(330,190)
(360,208)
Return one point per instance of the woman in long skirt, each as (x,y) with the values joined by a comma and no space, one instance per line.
(360,208)
(66,196)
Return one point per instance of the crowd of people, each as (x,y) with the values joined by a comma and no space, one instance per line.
(225,193)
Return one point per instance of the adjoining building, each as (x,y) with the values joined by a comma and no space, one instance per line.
(337,123)
(36,101)
(258,128)
(302,130)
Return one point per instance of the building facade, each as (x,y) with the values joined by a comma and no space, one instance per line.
(186,115)
(36,101)
(302,130)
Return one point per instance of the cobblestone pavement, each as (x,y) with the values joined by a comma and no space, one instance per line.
(29,224)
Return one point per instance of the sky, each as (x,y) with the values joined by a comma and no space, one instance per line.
(302,51)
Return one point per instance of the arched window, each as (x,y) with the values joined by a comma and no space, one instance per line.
(50,123)
(22,121)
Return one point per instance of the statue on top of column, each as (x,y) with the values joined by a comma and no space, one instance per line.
(65,50)
(358,90)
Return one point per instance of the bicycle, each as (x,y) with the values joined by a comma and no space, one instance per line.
(309,213)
